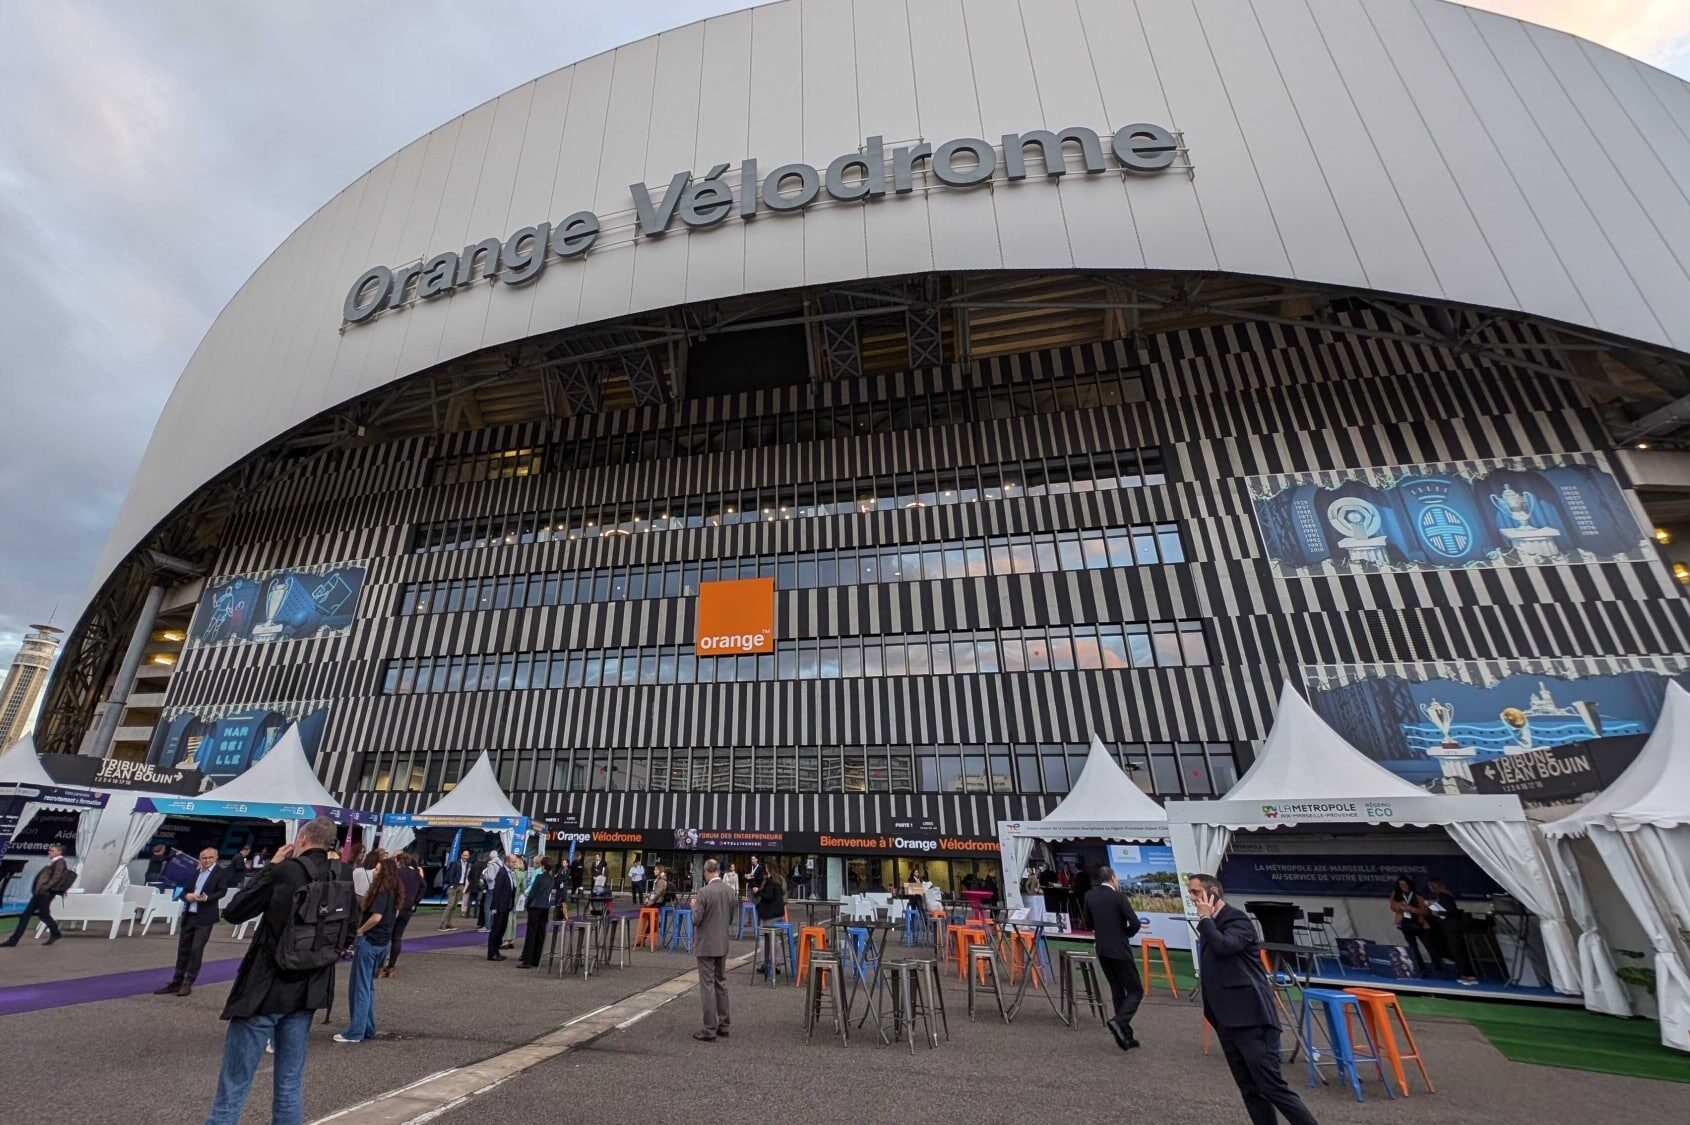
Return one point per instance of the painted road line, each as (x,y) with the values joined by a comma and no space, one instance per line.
(427,1098)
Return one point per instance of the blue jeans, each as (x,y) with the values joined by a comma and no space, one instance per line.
(366,958)
(243,1049)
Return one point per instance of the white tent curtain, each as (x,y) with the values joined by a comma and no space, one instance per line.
(1212,842)
(1603,990)
(396,839)
(142,827)
(1508,853)
(507,836)
(87,826)
(24,817)
(1013,851)
(1654,904)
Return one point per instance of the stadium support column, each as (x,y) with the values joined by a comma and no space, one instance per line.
(100,745)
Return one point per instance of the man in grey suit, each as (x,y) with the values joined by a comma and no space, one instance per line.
(712,912)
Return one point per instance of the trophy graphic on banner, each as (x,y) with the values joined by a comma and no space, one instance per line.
(1520,723)
(1359,524)
(1535,543)
(274,595)
(1455,759)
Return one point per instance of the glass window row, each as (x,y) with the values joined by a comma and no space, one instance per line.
(502,464)
(1165,769)
(1049,476)
(1059,648)
(1098,549)
(936,408)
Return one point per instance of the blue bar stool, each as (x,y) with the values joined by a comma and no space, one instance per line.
(915,927)
(666,925)
(1333,1009)
(861,951)
(747,913)
(683,928)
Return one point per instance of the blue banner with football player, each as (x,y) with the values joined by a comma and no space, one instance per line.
(1527,511)
(221,743)
(280,606)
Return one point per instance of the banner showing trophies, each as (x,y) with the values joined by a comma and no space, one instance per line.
(1523,511)
(282,605)
(1464,727)
(221,742)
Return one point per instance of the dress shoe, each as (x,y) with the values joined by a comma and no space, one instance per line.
(9,944)
(186,989)
(170,989)
(722,1032)
(704,1036)
(498,957)
(1123,1039)
(51,938)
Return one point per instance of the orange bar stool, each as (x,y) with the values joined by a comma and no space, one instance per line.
(963,938)
(809,937)
(1025,952)
(1376,1008)
(647,932)
(1145,945)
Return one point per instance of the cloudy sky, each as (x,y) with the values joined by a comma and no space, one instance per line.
(152,153)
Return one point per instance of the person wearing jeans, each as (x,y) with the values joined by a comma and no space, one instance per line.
(381,908)
(244,1048)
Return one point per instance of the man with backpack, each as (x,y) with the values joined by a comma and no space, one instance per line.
(305,898)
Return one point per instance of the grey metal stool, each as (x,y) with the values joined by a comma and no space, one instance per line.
(908,990)
(824,990)
(981,960)
(769,954)
(931,990)
(1089,972)
(616,941)
(580,948)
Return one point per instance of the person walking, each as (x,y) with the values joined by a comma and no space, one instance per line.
(713,910)
(51,882)
(456,881)
(380,905)
(199,914)
(287,974)
(411,883)
(500,897)
(541,893)
(1116,923)
(636,881)
(1238,1003)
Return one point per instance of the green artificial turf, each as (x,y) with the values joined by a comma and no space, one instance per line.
(1544,1034)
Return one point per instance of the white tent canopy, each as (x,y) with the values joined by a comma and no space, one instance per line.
(21,764)
(477,796)
(1307,774)
(283,776)
(1640,826)
(1103,803)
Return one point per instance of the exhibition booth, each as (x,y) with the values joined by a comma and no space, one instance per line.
(1308,781)
(1637,833)
(477,801)
(26,789)
(1104,805)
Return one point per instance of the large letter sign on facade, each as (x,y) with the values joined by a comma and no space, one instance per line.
(855,177)
(736,617)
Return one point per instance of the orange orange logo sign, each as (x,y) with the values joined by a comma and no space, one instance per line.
(736,617)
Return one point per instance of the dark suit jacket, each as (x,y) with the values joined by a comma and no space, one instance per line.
(1236,992)
(503,891)
(713,911)
(261,988)
(1113,920)
(216,883)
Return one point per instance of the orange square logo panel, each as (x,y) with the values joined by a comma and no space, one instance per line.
(736,617)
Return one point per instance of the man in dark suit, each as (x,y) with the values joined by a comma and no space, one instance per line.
(1115,923)
(713,910)
(199,914)
(1238,1002)
(501,900)
(455,881)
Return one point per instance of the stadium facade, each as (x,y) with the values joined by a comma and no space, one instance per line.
(1068,369)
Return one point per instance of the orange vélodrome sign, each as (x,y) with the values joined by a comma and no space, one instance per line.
(736,617)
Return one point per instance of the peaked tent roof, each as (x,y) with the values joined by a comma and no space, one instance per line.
(1305,759)
(478,794)
(22,765)
(281,777)
(1654,789)
(1103,792)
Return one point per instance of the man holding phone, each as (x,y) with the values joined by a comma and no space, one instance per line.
(1238,1003)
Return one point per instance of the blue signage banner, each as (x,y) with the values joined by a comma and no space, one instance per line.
(282,606)
(221,743)
(519,824)
(1344,875)
(1440,725)
(251,810)
(1526,511)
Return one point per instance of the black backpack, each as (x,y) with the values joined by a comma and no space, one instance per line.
(321,922)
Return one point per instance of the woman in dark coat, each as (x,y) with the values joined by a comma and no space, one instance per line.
(538,902)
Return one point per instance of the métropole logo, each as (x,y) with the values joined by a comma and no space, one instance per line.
(854,177)
(736,616)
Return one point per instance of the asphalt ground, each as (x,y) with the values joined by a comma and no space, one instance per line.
(155,1059)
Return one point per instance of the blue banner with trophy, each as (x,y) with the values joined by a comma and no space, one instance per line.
(1524,511)
(280,606)
(1552,728)
(221,742)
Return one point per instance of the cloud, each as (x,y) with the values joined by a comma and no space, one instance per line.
(1656,31)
